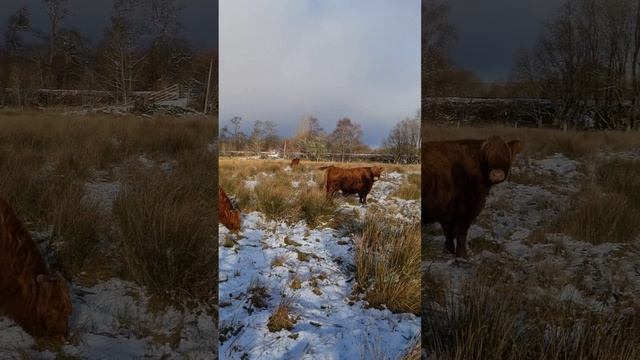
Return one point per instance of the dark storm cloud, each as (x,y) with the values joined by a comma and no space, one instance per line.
(91,17)
(490,32)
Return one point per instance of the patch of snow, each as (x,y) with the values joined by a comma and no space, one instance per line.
(112,320)
(250,184)
(331,324)
(103,193)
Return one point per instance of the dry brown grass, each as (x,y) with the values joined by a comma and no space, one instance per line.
(542,142)
(411,189)
(281,319)
(166,236)
(46,158)
(505,322)
(388,264)
(608,209)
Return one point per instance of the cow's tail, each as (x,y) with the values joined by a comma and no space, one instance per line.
(325,167)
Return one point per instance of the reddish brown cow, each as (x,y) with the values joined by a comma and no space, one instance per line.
(295,162)
(37,299)
(351,181)
(457,177)
(227,215)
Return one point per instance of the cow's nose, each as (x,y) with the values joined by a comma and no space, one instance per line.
(496,176)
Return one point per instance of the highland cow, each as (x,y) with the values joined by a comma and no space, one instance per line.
(295,162)
(227,215)
(458,176)
(351,181)
(37,299)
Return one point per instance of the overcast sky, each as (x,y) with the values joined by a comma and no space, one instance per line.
(490,32)
(199,18)
(282,60)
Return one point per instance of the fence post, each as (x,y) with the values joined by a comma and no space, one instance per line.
(206,98)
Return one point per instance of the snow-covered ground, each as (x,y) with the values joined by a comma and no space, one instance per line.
(331,321)
(114,319)
(596,276)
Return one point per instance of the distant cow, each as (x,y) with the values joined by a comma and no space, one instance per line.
(295,162)
(37,299)
(351,181)
(457,177)
(227,215)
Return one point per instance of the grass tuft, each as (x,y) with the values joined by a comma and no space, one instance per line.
(387,263)
(166,240)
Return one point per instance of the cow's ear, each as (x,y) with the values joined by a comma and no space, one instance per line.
(516,147)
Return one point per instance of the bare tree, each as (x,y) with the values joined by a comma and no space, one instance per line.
(403,143)
(120,51)
(15,74)
(438,38)
(346,137)
(238,138)
(257,138)
(56,12)
(586,63)
(310,138)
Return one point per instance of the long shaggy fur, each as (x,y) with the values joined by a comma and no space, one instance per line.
(351,181)
(457,177)
(35,298)
(227,215)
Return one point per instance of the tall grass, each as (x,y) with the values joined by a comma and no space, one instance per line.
(315,207)
(410,190)
(387,263)
(496,322)
(273,199)
(166,236)
(609,209)
(78,224)
(542,142)
(161,228)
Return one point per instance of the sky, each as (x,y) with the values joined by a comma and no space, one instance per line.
(491,31)
(91,17)
(282,60)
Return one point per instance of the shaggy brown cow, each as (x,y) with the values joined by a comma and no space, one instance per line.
(295,162)
(227,215)
(457,178)
(35,298)
(351,181)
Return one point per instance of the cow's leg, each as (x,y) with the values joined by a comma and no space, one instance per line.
(449,235)
(461,239)
(330,192)
(363,198)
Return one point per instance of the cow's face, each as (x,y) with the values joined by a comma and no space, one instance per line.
(235,220)
(497,157)
(53,305)
(376,171)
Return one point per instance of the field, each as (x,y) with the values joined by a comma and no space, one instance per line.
(553,270)
(122,206)
(310,277)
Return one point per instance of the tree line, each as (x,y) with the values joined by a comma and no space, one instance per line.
(141,49)
(585,66)
(402,145)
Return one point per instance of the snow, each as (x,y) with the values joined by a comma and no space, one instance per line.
(112,320)
(331,323)
(250,184)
